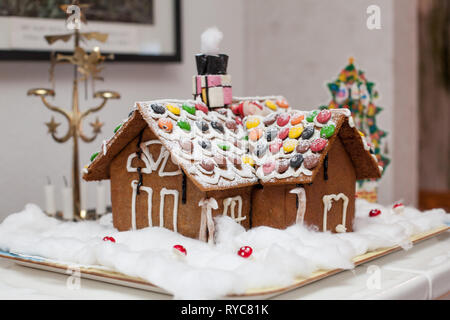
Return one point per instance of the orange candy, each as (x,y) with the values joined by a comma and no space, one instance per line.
(296,119)
(283,104)
(255,134)
(165,124)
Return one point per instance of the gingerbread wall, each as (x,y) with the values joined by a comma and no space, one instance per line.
(245,197)
(341,179)
(274,206)
(188,213)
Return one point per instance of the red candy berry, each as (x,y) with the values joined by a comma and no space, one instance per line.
(318,145)
(245,252)
(323,116)
(374,212)
(398,207)
(109,239)
(179,249)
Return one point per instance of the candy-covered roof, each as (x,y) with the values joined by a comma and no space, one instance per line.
(256,140)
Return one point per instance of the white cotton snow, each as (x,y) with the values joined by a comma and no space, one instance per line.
(212,271)
(210,40)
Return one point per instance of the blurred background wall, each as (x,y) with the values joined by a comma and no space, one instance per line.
(276,47)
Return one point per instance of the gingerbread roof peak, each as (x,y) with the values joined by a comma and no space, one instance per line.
(256,140)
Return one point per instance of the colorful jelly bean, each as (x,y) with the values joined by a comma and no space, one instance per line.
(184,125)
(217,126)
(308,132)
(312,115)
(275,146)
(289,145)
(252,122)
(323,116)
(327,131)
(207,165)
(270,119)
(165,124)
(248,160)
(268,167)
(311,161)
(282,166)
(295,132)
(283,134)
(189,109)
(271,105)
(201,107)
(302,146)
(94,156)
(271,133)
(261,149)
(318,144)
(283,119)
(174,109)
(297,118)
(255,134)
(117,128)
(157,108)
(296,161)
(282,104)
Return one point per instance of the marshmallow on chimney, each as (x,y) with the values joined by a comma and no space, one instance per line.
(212,85)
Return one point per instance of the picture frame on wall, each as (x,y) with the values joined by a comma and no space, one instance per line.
(138,30)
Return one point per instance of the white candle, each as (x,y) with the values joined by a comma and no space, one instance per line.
(50,204)
(67,203)
(101,199)
(83,196)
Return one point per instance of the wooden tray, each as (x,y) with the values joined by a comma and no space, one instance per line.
(103,274)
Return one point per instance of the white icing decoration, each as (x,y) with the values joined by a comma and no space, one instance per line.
(163,194)
(231,201)
(150,164)
(207,222)
(104,147)
(133,204)
(327,203)
(301,196)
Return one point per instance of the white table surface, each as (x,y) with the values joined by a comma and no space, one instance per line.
(423,272)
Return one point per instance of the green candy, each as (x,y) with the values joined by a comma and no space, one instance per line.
(327,131)
(189,109)
(224,147)
(312,115)
(94,156)
(245,138)
(184,125)
(117,128)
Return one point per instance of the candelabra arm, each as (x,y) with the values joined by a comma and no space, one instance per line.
(56,109)
(61,111)
(85,138)
(93,109)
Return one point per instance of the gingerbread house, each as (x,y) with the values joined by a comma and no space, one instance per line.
(178,163)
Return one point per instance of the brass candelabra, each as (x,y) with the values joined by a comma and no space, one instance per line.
(86,65)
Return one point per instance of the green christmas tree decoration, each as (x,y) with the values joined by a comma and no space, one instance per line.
(352,90)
